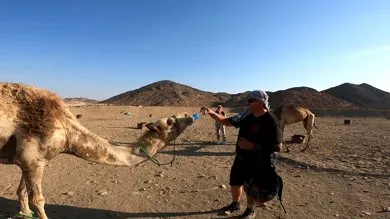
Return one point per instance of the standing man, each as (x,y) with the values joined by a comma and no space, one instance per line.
(259,136)
(219,127)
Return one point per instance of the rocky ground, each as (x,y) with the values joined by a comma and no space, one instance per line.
(345,173)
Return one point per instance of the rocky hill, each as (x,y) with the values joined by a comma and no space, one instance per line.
(169,93)
(362,95)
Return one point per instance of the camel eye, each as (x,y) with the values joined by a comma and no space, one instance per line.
(186,115)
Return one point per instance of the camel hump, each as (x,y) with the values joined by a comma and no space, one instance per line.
(37,108)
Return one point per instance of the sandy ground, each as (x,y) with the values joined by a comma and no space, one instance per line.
(345,174)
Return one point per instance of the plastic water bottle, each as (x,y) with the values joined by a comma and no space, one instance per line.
(196,116)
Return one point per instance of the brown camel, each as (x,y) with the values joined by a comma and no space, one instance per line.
(36,125)
(292,114)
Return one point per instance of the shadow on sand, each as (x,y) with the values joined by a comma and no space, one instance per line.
(9,207)
(189,149)
(312,167)
(194,149)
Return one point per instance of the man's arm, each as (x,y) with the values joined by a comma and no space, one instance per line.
(277,147)
(220,118)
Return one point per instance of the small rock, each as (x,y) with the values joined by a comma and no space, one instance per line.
(386,209)
(332,193)
(350,184)
(148,181)
(102,193)
(69,193)
(366,191)
(336,215)
(299,175)
(366,213)
(115,181)
(142,189)
(159,175)
(222,186)
(217,200)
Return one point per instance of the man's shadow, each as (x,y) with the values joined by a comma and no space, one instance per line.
(8,208)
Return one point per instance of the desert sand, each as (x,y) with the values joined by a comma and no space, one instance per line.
(344,174)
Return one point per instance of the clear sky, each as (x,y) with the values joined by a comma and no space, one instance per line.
(97,49)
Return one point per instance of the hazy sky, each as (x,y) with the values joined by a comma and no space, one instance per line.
(98,49)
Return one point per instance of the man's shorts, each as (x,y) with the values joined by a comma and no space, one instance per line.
(245,168)
(239,172)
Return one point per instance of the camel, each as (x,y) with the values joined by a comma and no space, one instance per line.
(292,114)
(36,125)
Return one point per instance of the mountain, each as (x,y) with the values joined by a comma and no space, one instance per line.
(362,95)
(168,93)
(307,97)
(79,101)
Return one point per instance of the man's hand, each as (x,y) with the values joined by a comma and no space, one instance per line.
(245,144)
(205,110)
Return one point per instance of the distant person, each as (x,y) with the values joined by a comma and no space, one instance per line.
(259,137)
(219,127)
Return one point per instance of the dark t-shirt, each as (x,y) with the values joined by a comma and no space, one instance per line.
(264,131)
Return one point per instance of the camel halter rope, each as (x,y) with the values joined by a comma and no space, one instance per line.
(21,215)
(154,160)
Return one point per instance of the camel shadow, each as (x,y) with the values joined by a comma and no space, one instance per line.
(192,149)
(8,208)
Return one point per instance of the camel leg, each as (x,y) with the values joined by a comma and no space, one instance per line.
(32,170)
(282,125)
(308,124)
(23,197)
(33,183)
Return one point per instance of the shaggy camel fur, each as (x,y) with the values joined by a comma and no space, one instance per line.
(292,114)
(36,125)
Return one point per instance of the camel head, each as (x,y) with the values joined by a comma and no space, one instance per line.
(168,129)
